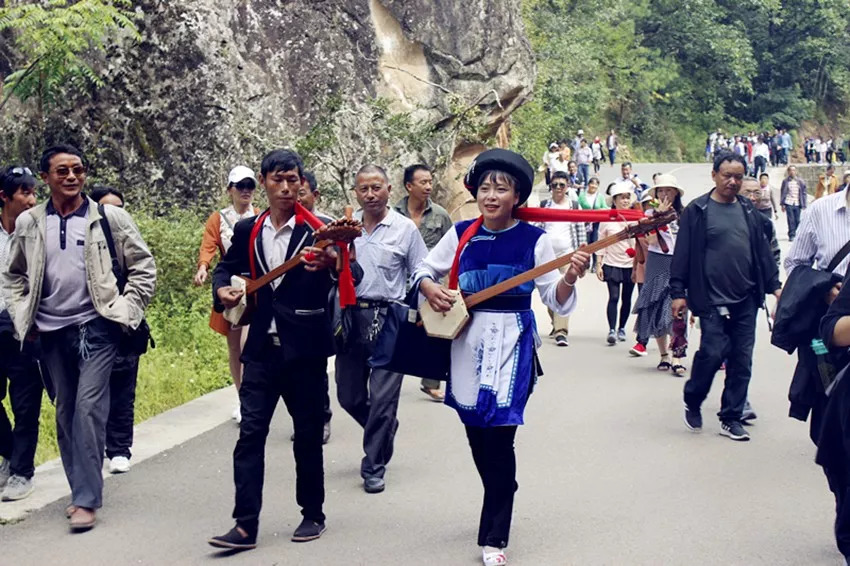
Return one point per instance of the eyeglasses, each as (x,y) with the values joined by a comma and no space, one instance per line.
(20,171)
(559,185)
(62,172)
(245,186)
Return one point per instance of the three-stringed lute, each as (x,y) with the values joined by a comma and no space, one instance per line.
(346,229)
(450,323)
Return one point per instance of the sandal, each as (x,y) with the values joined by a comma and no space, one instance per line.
(497,558)
(663,365)
(434,394)
(679,370)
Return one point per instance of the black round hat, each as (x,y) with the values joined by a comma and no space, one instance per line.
(501,160)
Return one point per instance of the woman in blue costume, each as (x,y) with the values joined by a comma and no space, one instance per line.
(493,362)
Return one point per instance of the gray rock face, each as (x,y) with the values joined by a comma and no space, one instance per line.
(215,84)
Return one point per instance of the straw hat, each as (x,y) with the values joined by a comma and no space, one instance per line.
(666,180)
(621,189)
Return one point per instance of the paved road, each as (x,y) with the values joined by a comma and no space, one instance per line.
(608,476)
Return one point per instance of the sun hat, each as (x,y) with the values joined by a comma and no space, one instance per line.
(501,160)
(621,189)
(240,173)
(666,180)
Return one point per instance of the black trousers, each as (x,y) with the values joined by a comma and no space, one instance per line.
(21,371)
(122,400)
(840,487)
(615,297)
(301,385)
(725,338)
(493,452)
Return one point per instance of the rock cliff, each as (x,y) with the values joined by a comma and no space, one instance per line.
(216,83)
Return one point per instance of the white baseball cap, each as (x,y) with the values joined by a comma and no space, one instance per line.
(581,132)
(240,173)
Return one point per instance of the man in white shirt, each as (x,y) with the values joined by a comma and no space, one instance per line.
(566,237)
(548,157)
(612,143)
(626,176)
(388,251)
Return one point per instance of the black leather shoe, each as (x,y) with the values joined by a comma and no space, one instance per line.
(308,530)
(234,540)
(374,485)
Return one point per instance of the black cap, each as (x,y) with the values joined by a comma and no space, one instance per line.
(501,160)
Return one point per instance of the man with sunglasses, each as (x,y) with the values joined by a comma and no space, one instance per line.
(61,287)
(566,237)
(18,366)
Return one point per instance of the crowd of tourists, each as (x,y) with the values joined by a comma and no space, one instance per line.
(77,277)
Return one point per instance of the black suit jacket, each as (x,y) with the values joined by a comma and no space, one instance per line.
(299,304)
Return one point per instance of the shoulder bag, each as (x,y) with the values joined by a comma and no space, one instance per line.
(133,342)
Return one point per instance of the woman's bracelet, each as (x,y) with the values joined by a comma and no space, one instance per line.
(567,283)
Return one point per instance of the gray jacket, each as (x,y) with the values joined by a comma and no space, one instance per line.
(803,196)
(22,281)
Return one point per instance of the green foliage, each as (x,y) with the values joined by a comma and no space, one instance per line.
(57,39)
(664,72)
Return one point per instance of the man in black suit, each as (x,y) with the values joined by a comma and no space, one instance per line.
(286,353)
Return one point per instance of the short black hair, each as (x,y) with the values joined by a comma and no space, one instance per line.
(764,175)
(625,164)
(282,160)
(10,183)
(830,167)
(572,162)
(100,191)
(592,179)
(372,169)
(51,151)
(559,175)
(311,180)
(728,156)
(410,171)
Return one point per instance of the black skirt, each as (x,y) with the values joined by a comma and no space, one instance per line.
(617,275)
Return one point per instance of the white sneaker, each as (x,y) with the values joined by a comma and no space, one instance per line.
(237,413)
(496,558)
(119,465)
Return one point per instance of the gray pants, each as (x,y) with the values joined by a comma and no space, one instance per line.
(369,395)
(79,362)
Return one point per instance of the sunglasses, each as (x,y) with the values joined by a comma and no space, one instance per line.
(559,185)
(245,186)
(62,172)
(20,171)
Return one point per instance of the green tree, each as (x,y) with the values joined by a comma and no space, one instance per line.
(57,41)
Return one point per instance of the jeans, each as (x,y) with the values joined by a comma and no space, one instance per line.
(301,385)
(495,459)
(79,362)
(612,153)
(584,169)
(17,445)
(730,338)
(760,166)
(792,213)
(122,400)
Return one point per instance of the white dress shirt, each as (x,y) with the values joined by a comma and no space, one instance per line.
(824,229)
(275,246)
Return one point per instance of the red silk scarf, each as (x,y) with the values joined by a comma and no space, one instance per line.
(544,215)
(347,295)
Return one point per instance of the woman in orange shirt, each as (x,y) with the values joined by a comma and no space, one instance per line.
(241,184)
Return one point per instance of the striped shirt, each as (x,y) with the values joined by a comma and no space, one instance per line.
(823,231)
(793,198)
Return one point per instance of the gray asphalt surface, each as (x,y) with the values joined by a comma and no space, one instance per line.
(608,475)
